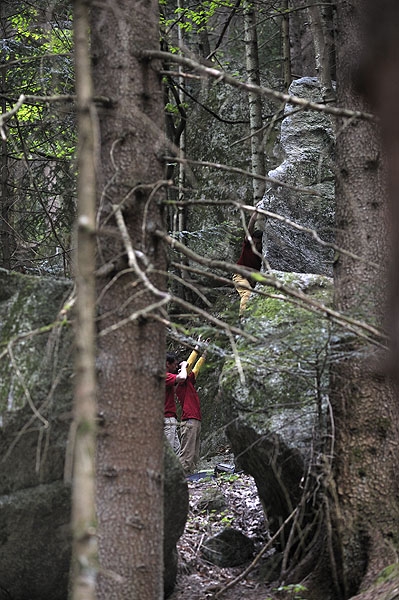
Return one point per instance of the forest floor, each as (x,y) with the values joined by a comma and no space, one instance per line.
(199,579)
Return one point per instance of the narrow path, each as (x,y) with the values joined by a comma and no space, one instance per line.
(217,502)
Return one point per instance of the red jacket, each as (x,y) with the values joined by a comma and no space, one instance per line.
(170,404)
(189,399)
(248,258)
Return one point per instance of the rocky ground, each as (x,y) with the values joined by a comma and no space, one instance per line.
(231,500)
(216,502)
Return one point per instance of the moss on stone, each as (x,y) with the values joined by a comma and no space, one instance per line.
(390,572)
(281,381)
(28,309)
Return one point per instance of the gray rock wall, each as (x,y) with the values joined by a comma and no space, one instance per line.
(35,412)
(307,148)
(276,398)
(35,417)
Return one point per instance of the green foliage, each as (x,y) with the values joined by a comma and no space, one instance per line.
(228,477)
(292,591)
(194,19)
(174,108)
(40,137)
(391,572)
(226,519)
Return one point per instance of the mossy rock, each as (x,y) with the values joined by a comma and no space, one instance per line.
(281,383)
(34,353)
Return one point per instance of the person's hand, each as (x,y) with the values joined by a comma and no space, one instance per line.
(183,364)
(197,345)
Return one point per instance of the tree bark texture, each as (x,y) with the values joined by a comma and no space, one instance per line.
(378,79)
(364,400)
(5,190)
(302,47)
(131,280)
(322,51)
(255,104)
(285,44)
(84,569)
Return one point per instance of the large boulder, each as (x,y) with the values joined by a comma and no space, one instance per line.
(35,416)
(275,396)
(307,148)
(35,409)
(176,504)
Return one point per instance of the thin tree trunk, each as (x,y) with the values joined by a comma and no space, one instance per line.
(5,199)
(322,51)
(83,490)
(255,103)
(5,229)
(204,46)
(182,139)
(131,284)
(285,35)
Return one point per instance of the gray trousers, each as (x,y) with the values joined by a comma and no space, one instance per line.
(170,429)
(190,433)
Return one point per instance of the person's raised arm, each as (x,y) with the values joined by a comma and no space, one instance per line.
(251,224)
(252,220)
(193,356)
(182,374)
(200,362)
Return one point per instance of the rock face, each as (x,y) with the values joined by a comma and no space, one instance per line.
(229,548)
(275,400)
(307,147)
(35,403)
(35,411)
(176,499)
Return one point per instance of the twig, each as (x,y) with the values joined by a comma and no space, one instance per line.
(7,115)
(250,87)
(257,558)
(131,254)
(230,169)
(199,545)
(378,337)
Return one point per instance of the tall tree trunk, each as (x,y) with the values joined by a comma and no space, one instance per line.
(301,42)
(5,202)
(286,48)
(363,399)
(182,211)
(322,50)
(84,569)
(255,103)
(379,79)
(131,277)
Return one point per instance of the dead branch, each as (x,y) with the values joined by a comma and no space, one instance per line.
(257,558)
(377,336)
(222,76)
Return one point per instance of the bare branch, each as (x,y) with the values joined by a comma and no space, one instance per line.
(268,92)
(239,171)
(377,336)
(7,115)
(285,220)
